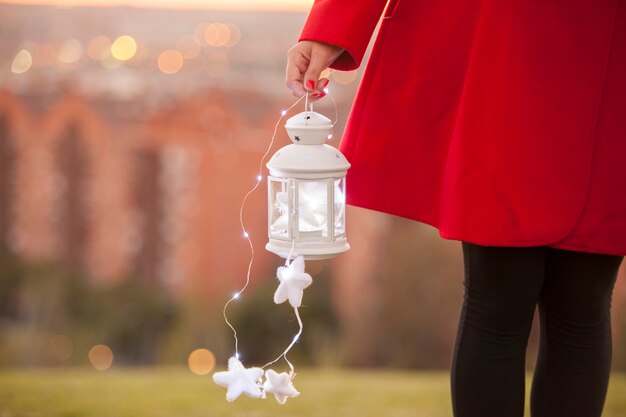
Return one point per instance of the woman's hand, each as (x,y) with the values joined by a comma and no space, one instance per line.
(305,62)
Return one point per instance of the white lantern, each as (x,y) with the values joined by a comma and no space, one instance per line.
(306,192)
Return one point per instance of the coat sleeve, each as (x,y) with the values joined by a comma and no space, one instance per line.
(345,23)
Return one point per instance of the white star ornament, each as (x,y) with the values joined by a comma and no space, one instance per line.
(239,380)
(280,385)
(293,281)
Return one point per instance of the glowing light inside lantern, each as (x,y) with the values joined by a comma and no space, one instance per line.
(312,209)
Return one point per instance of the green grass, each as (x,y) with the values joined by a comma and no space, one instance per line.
(159,392)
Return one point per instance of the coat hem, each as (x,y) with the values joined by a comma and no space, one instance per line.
(544,242)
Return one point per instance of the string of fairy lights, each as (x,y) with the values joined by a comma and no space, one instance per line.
(244,232)
(251,376)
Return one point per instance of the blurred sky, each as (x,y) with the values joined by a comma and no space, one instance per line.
(295,5)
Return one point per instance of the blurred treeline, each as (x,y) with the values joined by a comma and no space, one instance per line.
(142,322)
(43,300)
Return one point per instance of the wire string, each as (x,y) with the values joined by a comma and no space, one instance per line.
(293,342)
(246,235)
(300,325)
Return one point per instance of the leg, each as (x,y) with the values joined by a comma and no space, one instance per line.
(502,286)
(574,359)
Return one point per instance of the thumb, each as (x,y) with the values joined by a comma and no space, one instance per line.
(314,70)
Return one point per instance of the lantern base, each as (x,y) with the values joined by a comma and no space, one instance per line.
(309,250)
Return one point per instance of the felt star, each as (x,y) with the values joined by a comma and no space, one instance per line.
(239,380)
(293,281)
(280,385)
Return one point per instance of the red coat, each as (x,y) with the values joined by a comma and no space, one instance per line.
(498,122)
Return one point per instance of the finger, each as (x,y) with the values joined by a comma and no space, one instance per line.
(294,74)
(316,96)
(296,88)
(321,84)
(313,72)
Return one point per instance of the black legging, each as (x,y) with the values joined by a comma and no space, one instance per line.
(502,287)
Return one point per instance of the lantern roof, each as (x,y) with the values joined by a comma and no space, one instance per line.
(324,160)
(309,128)
(308,119)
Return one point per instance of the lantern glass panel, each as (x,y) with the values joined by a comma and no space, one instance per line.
(279,208)
(340,207)
(312,200)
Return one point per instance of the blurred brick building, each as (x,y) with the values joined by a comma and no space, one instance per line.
(156,198)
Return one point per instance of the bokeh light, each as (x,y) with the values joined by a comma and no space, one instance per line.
(61,347)
(217,34)
(142,54)
(101,357)
(235,35)
(124,48)
(170,61)
(201,361)
(199,31)
(22,62)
